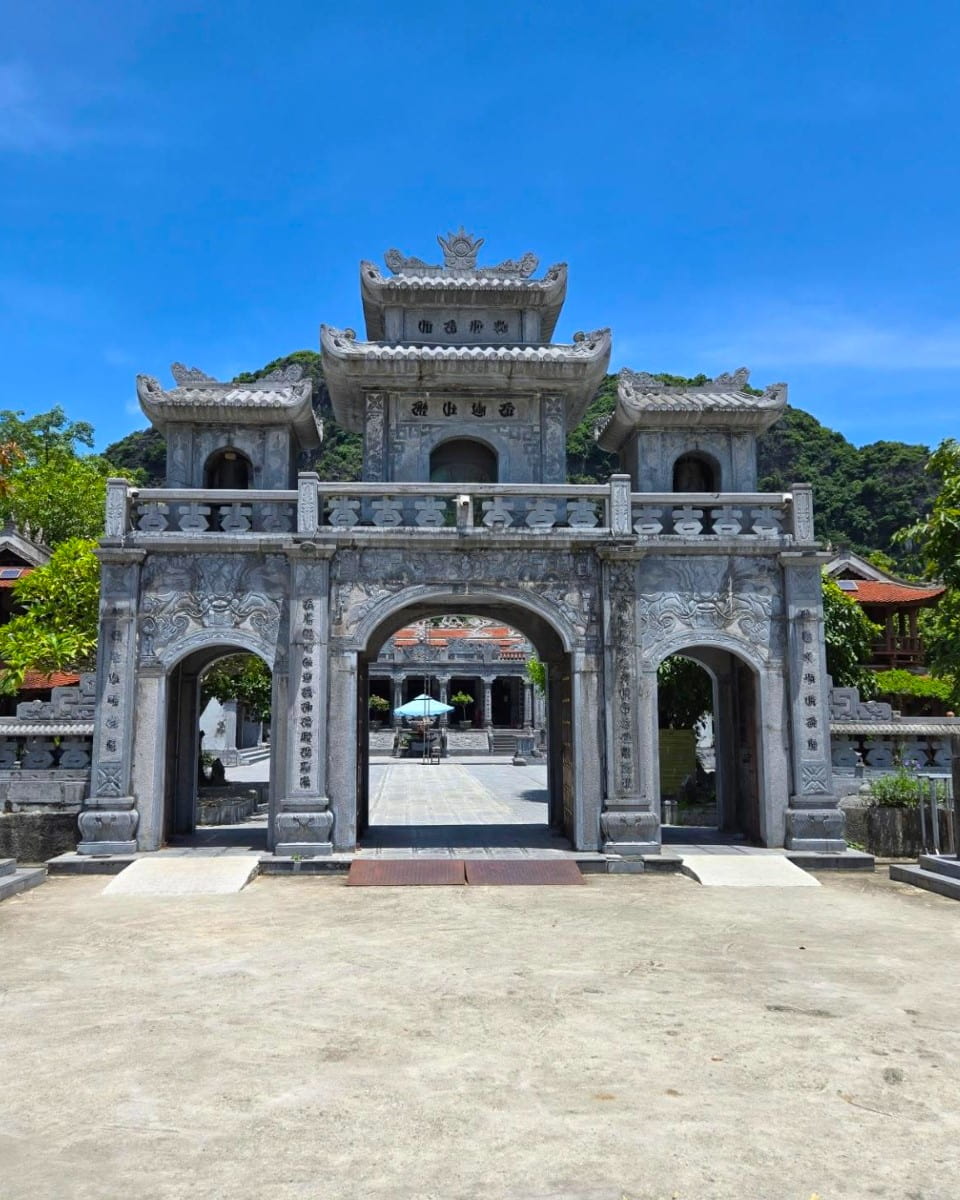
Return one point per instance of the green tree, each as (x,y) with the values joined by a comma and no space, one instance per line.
(684,692)
(45,434)
(537,674)
(937,538)
(244,678)
(849,635)
(59,497)
(57,630)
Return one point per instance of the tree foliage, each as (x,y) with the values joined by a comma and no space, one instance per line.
(936,537)
(920,695)
(684,692)
(46,486)
(140,456)
(58,628)
(537,674)
(244,678)
(849,635)
(861,496)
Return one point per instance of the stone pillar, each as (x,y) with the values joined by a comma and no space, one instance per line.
(444,682)
(814,820)
(397,695)
(303,819)
(586,736)
(539,709)
(487,687)
(630,822)
(108,823)
(342,746)
(527,703)
(149,774)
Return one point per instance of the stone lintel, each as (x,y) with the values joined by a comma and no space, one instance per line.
(115,552)
(803,558)
(307,547)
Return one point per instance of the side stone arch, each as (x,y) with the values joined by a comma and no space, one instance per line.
(722,656)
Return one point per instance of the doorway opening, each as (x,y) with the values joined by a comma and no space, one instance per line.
(463,460)
(470,753)
(219,750)
(709,747)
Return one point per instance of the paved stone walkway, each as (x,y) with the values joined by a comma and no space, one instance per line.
(451,793)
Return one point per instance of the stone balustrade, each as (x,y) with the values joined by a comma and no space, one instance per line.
(689,516)
(589,512)
(45,751)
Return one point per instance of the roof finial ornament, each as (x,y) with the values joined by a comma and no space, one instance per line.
(735,379)
(460,250)
(185,376)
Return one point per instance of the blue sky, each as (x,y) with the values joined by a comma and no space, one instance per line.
(769,184)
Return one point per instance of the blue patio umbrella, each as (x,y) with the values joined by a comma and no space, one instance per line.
(422,706)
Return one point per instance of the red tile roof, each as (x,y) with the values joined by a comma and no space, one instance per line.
(12,575)
(879,591)
(37,681)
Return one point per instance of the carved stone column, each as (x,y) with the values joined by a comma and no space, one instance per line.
(585,734)
(444,682)
(630,821)
(303,820)
(374,437)
(814,819)
(487,686)
(342,744)
(553,439)
(108,823)
(527,703)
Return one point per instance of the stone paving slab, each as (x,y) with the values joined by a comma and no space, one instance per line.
(184,876)
(746,870)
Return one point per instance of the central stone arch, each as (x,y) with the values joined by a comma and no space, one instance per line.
(574,762)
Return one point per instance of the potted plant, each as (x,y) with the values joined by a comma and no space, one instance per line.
(462,700)
(378,710)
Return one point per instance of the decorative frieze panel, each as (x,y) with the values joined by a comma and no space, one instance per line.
(186,595)
(563,585)
(737,598)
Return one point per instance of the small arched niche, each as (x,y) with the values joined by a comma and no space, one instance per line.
(227,469)
(696,472)
(463,460)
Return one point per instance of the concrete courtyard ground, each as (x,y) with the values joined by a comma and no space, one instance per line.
(638,1037)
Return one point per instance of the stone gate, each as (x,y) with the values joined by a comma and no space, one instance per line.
(464,402)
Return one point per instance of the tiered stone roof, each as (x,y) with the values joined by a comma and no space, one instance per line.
(352,367)
(645,402)
(282,397)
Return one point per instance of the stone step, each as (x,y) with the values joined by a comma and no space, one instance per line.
(940,864)
(7,866)
(20,880)
(931,881)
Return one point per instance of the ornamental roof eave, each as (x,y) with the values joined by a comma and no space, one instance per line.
(353,367)
(209,402)
(461,289)
(645,403)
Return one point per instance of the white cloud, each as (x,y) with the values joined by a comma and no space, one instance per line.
(823,336)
